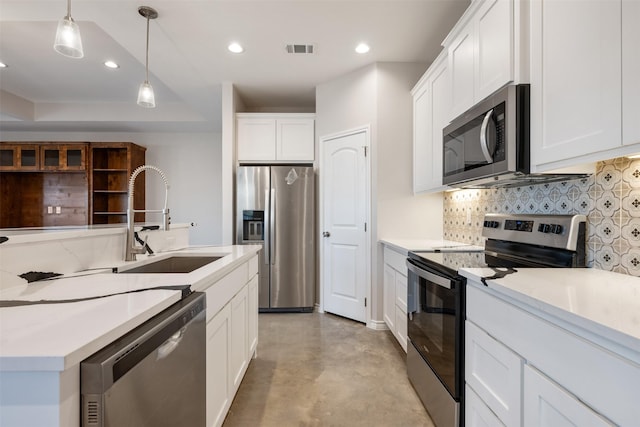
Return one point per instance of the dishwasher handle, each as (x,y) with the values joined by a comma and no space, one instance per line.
(103,369)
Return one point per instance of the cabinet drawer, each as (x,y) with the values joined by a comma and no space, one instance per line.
(603,380)
(395,259)
(401,327)
(253,266)
(494,372)
(222,291)
(401,291)
(547,404)
(477,413)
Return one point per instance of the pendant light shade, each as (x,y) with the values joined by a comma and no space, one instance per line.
(146,97)
(68,41)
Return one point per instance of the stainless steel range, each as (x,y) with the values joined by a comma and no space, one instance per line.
(436,298)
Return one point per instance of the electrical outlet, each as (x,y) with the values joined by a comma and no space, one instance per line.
(49,210)
(58,210)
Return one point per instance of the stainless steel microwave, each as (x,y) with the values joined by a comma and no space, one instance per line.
(489,143)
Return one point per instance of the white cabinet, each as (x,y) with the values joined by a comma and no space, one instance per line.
(477,413)
(395,294)
(253,315)
(630,72)
(232,336)
(576,92)
(570,377)
(493,372)
(431,104)
(481,52)
(268,137)
(547,404)
(218,367)
(239,336)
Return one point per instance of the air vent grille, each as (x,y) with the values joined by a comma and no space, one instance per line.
(300,48)
(92,413)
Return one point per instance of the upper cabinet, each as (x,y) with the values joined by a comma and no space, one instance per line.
(481,51)
(576,78)
(431,103)
(43,156)
(275,137)
(630,72)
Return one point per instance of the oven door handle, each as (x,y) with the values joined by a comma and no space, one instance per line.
(427,275)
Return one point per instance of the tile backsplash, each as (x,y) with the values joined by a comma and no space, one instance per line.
(610,199)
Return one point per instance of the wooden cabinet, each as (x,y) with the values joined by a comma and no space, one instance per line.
(575,78)
(23,157)
(63,157)
(630,72)
(395,294)
(268,137)
(111,167)
(431,103)
(481,53)
(547,404)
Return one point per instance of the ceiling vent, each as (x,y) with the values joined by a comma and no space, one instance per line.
(300,48)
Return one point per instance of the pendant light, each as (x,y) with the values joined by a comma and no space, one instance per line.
(146,97)
(68,41)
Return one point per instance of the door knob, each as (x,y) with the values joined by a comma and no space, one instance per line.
(326,234)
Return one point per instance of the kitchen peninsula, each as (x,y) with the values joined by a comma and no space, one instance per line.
(42,344)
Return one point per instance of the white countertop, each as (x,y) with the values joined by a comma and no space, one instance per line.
(589,300)
(57,336)
(428,245)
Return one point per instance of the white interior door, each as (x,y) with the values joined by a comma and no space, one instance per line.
(344,189)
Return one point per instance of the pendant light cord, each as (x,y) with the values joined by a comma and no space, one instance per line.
(69,9)
(147,59)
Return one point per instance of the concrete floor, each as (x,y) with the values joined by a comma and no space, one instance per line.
(324,370)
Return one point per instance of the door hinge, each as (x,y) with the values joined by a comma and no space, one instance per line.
(365,150)
(365,302)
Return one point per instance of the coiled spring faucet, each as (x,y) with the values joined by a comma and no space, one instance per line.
(131,249)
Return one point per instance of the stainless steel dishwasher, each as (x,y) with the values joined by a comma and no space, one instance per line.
(153,375)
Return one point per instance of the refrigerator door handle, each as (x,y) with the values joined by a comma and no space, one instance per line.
(272,225)
(267,237)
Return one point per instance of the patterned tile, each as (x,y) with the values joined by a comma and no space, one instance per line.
(610,199)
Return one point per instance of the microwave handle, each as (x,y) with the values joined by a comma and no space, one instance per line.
(483,137)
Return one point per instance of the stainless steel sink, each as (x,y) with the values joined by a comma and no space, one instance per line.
(172,264)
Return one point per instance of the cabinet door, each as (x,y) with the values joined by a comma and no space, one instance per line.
(575,78)
(55,157)
(461,65)
(295,139)
(477,413)
(494,372)
(547,404)
(256,139)
(401,327)
(218,367)
(494,60)
(389,305)
(239,337)
(253,316)
(630,72)
(19,157)
(422,143)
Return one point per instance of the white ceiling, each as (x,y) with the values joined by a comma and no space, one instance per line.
(188,59)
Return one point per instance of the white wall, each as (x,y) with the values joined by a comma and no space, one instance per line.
(191,162)
(379,95)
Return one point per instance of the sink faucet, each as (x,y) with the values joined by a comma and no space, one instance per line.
(131,249)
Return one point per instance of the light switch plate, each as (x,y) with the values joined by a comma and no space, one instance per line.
(58,210)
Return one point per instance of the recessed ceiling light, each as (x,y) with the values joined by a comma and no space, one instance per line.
(111,64)
(362,48)
(235,48)
(3,65)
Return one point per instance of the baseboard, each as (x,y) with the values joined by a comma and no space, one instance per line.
(377,325)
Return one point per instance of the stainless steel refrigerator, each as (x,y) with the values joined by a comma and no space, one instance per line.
(275,207)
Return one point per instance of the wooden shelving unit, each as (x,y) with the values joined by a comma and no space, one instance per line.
(111,166)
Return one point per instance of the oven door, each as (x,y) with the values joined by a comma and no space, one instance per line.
(435,306)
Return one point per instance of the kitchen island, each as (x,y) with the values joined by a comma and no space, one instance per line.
(42,345)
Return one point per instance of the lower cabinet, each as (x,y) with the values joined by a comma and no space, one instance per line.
(547,404)
(526,370)
(232,336)
(395,294)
